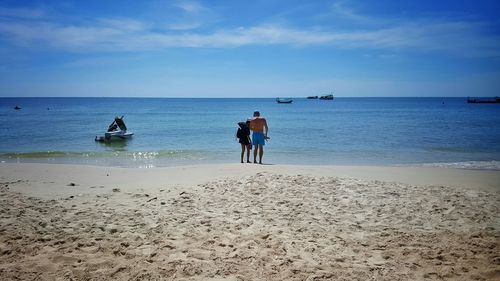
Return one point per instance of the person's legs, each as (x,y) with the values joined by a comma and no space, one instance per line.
(255,148)
(261,153)
(242,152)
(249,147)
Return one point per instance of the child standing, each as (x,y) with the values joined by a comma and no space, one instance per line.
(243,135)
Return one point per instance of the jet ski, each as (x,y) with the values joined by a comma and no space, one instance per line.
(117,131)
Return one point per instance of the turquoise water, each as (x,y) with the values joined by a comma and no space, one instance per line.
(352,131)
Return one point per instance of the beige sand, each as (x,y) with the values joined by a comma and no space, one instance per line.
(248,222)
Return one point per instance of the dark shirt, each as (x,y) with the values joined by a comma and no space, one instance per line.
(243,134)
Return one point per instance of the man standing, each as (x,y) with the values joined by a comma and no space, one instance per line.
(258,125)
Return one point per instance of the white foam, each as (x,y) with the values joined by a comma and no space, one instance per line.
(474,165)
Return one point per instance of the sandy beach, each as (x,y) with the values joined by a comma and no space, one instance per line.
(248,222)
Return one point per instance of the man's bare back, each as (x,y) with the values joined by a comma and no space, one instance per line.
(258,124)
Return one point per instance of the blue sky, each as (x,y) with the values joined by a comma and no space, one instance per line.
(249,48)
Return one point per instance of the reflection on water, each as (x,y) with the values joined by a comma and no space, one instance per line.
(118,154)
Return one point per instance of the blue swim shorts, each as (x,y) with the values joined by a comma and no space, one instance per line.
(258,138)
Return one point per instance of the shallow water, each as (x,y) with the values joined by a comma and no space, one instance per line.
(357,131)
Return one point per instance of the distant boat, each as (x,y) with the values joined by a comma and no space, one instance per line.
(327,97)
(17,107)
(312,97)
(483,100)
(284,100)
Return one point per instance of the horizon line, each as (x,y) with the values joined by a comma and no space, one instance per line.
(295,97)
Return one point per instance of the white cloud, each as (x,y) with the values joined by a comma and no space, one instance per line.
(125,34)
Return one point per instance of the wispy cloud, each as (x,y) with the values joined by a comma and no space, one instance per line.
(125,34)
(123,24)
(343,10)
(21,13)
(189,15)
(184,25)
(190,6)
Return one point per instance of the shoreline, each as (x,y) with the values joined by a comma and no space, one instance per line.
(49,179)
(140,159)
(248,222)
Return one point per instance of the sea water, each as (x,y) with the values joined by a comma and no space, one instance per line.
(178,131)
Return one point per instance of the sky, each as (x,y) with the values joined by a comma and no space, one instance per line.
(259,48)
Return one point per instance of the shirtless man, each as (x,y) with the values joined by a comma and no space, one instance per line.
(258,125)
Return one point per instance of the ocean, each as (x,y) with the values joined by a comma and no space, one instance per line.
(182,131)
